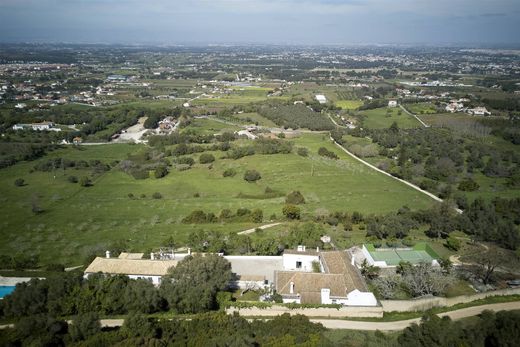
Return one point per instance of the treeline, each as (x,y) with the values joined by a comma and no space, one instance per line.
(488,329)
(13,152)
(242,215)
(437,160)
(210,329)
(295,117)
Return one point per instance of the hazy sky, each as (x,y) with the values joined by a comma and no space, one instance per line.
(261,21)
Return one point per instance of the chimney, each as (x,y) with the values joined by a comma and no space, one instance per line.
(318,249)
(291,288)
(152,256)
(107,254)
(304,248)
(189,251)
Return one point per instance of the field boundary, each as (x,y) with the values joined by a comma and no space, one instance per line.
(415,116)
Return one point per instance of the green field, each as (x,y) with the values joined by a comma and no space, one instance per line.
(349,104)
(379,118)
(78,220)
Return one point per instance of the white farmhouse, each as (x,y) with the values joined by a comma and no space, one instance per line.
(392,103)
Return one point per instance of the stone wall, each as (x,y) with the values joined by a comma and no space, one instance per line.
(431,302)
(275,310)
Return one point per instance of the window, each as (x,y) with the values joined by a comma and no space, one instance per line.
(334,301)
(298,264)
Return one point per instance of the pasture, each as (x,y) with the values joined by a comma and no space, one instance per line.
(383,117)
(77,221)
(349,104)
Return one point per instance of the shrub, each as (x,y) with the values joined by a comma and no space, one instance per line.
(85,181)
(468,185)
(452,243)
(131,195)
(160,171)
(157,195)
(84,325)
(295,198)
(252,176)
(229,173)
(72,179)
(19,182)
(257,216)
(302,151)
(185,160)
(206,158)
(291,211)
(324,152)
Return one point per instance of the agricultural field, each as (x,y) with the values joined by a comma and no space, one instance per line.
(60,233)
(421,108)
(349,104)
(384,117)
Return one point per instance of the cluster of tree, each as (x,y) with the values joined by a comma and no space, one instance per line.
(13,152)
(208,329)
(18,261)
(324,152)
(415,280)
(241,215)
(296,116)
(190,287)
(437,159)
(140,164)
(261,146)
(63,163)
(490,329)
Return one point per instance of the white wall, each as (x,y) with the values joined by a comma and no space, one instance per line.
(291,300)
(357,298)
(289,262)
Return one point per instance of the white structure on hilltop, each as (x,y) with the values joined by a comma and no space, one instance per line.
(479,111)
(321,98)
(392,103)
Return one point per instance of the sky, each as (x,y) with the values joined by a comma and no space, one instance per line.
(261,21)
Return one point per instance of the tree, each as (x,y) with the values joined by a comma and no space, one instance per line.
(369,271)
(84,325)
(295,198)
(157,195)
(137,325)
(291,211)
(423,279)
(229,173)
(257,216)
(252,176)
(192,285)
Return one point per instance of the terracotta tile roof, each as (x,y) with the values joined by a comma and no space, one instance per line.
(340,276)
(118,266)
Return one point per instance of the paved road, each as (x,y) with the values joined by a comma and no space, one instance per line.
(400,325)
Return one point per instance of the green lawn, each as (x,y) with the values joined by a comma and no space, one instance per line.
(379,118)
(349,104)
(78,220)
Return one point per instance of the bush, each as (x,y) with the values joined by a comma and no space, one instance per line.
(229,173)
(302,151)
(206,158)
(185,160)
(157,195)
(131,196)
(85,181)
(160,171)
(72,179)
(468,185)
(452,243)
(84,325)
(324,152)
(257,216)
(19,182)
(291,211)
(295,198)
(252,176)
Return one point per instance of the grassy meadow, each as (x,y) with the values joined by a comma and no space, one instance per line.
(379,118)
(78,220)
